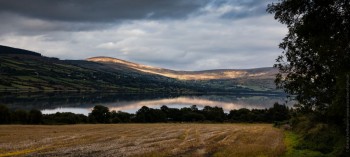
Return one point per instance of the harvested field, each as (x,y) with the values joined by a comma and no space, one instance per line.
(142,140)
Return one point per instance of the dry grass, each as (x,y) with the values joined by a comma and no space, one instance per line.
(142,140)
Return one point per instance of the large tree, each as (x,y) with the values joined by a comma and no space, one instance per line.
(100,114)
(316,56)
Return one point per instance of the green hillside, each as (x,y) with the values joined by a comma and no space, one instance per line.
(28,72)
(22,70)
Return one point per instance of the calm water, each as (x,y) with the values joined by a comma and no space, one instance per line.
(84,102)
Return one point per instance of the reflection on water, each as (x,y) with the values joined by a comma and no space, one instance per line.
(84,111)
(180,102)
(84,102)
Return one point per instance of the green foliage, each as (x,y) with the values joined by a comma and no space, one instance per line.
(173,114)
(313,67)
(316,49)
(100,114)
(19,116)
(65,118)
(336,113)
(315,136)
(277,113)
(120,117)
(291,141)
(35,117)
(215,114)
(242,114)
(193,117)
(149,115)
(4,115)
(192,114)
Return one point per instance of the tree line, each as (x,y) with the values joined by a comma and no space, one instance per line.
(102,114)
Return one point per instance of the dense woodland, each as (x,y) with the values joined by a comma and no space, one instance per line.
(101,114)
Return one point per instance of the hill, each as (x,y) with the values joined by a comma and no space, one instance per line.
(32,72)
(10,50)
(259,79)
(189,75)
(23,70)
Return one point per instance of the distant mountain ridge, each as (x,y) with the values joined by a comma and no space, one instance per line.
(30,71)
(267,72)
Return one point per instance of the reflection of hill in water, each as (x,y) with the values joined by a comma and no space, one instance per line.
(132,102)
(69,99)
(246,98)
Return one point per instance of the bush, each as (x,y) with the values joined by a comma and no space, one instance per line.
(193,117)
(215,114)
(65,118)
(149,115)
(120,117)
(5,116)
(279,112)
(100,114)
(20,116)
(318,136)
(35,117)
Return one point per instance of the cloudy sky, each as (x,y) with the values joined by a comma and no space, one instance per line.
(175,34)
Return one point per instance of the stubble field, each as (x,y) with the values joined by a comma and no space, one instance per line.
(142,140)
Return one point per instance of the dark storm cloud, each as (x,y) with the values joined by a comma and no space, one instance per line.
(16,24)
(100,10)
(175,34)
(37,17)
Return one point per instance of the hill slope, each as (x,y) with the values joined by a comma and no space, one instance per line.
(30,71)
(259,79)
(190,75)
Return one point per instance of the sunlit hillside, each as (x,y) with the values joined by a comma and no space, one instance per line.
(191,75)
(26,70)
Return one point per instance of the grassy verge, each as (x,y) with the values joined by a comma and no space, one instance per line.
(291,141)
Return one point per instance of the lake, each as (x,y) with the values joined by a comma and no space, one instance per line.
(84,102)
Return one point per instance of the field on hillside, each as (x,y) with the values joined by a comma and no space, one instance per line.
(142,140)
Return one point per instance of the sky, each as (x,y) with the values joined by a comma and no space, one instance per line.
(174,34)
